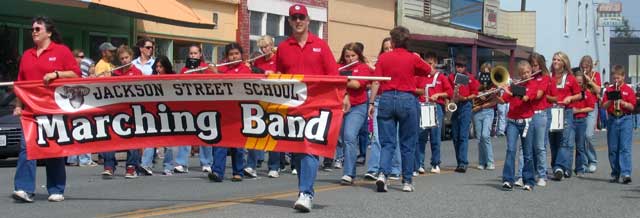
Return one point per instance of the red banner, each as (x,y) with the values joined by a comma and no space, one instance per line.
(287,113)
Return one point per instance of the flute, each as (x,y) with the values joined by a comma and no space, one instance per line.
(213,65)
(348,65)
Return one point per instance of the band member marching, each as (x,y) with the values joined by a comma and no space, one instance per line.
(581,109)
(593,82)
(540,120)
(518,127)
(483,108)
(304,53)
(619,100)
(433,89)
(353,62)
(461,118)
(568,91)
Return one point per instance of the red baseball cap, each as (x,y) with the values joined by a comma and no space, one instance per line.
(298,9)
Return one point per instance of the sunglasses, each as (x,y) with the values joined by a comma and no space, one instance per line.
(80,56)
(36,29)
(298,17)
(149,47)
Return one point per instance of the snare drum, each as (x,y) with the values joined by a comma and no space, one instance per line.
(428,116)
(557,119)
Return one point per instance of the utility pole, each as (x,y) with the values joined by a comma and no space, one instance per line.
(523,5)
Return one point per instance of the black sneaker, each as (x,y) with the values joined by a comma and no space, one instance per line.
(214,177)
(626,180)
(614,180)
(558,174)
(461,169)
(507,186)
(567,174)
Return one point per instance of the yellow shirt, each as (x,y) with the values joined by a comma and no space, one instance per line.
(102,67)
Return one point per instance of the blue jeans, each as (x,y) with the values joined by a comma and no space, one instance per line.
(351,126)
(220,160)
(540,130)
(432,135)
(398,119)
(363,139)
(482,121)
(515,132)
(82,159)
(254,155)
(619,139)
(206,155)
(502,110)
(461,119)
(110,162)
(590,145)
(580,126)
(562,144)
(307,166)
(374,158)
(181,158)
(25,177)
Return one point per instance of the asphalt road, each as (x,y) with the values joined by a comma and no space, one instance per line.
(474,194)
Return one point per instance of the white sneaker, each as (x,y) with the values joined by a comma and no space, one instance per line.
(294,172)
(337,165)
(180,169)
(490,166)
(408,187)
(592,168)
(56,198)
(206,169)
(23,196)
(421,170)
(303,204)
(519,182)
(250,172)
(415,173)
(541,183)
(346,180)
(381,183)
(273,174)
(527,188)
(435,169)
(480,167)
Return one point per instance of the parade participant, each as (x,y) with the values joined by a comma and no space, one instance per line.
(461,118)
(125,55)
(206,152)
(540,124)
(48,60)
(356,114)
(593,81)
(581,109)
(483,108)
(233,52)
(398,107)
(105,65)
(519,127)
(435,89)
(568,91)
(373,168)
(619,125)
(146,60)
(266,65)
(304,53)
(86,67)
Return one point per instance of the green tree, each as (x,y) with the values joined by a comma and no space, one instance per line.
(625,30)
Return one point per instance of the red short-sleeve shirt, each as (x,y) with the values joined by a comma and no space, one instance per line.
(314,58)
(55,57)
(359,96)
(441,85)
(570,88)
(469,89)
(132,71)
(628,95)
(519,109)
(202,64)
(235,69)
(266,65)
(402,66)
(588,101)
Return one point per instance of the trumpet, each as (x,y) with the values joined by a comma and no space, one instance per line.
(617,111)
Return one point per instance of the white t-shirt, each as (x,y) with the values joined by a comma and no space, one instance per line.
(147,68)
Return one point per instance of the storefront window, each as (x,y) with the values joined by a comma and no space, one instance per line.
(256,23)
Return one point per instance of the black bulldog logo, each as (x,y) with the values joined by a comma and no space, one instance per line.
(75,94)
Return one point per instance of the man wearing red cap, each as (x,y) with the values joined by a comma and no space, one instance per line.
(304,53)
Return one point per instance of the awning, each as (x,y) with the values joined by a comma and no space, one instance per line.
(162,11)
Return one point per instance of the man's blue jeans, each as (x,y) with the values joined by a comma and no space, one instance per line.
(515,131)
(590,145)
(82,159)
(351,125)
(254,155)
(206,155)
(619,139)
(220,160)
(482,121)
(398,119)
(580,125)
(25,177)
(307,166)
(461,119)
(562,144)
(434,136)
(374,157)
(110,162)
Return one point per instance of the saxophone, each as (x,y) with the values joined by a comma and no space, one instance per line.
(452,106)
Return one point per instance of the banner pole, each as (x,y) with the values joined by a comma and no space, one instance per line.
(373,78)
(6,84)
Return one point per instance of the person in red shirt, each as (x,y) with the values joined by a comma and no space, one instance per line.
(461,118)
(47,61)
(539,122)
(304,53)
(483,112)
(518,127)
(434,88)
(124,54)
(568,91)
(581,110)
(233,52)
(398,107)
(195,56)
(266,64)
(593,83)
(619,126)
(356,114)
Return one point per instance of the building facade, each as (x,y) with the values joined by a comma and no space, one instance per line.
(626,52)
(569,26)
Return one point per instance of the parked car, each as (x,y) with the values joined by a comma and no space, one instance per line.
(10,128)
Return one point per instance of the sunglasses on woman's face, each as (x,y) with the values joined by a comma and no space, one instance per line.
(36,29)
(80,56)
(149,47)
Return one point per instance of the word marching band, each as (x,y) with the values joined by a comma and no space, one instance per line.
(556,107)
